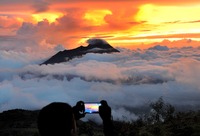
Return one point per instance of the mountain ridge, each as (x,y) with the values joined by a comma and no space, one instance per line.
(96,46)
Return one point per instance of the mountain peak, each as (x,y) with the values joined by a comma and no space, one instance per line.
(95,46)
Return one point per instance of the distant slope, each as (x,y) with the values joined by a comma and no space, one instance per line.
(99,46)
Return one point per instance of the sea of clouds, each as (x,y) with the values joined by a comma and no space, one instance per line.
(127,80)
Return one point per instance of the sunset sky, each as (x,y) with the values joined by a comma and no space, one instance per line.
(31,31)
(124,23)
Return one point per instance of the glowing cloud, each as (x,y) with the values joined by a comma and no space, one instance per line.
(129,24)
(170,19)
(96,17)
(131,78)
(51,17)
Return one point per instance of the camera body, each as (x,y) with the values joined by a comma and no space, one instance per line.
(92,107)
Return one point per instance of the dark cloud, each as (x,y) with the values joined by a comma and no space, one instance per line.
(59,47)
(159,48)
(195,21)
(96,40)
(14,1)
(173,22)
(40,5)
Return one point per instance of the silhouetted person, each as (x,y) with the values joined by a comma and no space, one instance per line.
(79,110)
(105,114)
(59,119)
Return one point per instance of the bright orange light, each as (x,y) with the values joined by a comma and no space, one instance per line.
(170,19)
(156,14)
(51,17)
(166,20)
(96,17)
(20,19)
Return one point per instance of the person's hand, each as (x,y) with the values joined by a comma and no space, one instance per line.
(105,111)
(79,110)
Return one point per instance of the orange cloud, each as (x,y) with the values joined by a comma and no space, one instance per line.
(9,25)
(50,16)
(76,24)
(96,17)
(120,22)
(10,22)
(178,43)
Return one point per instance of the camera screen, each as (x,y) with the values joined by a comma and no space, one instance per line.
(92,107)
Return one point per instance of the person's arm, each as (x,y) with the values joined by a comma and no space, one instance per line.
(79,110)
(105,114)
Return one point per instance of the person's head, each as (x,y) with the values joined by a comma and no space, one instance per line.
(104,103)
(56,119)
(80,105)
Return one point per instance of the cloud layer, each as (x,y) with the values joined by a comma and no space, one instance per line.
(32,31)
(127,80)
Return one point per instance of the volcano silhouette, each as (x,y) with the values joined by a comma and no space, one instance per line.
(95,46)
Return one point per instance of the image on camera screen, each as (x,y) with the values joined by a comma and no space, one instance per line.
(92,107)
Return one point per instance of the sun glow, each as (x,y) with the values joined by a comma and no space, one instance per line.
(96,17)
(168,21)
(51,17)
(155,14)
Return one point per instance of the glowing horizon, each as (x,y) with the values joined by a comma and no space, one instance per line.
(127,24)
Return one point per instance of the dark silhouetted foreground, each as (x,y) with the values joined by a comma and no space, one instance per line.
(24,123)
(59,119)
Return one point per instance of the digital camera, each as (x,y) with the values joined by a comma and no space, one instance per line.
(92,107)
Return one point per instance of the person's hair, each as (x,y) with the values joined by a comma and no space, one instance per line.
(56,119)
(104,102)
